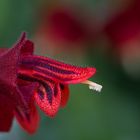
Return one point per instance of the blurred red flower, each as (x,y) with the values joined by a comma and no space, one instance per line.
(64,30)
(125,26)
(61,24)
(124,33)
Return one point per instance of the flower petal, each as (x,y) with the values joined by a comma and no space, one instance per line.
(57,71)
(28,118)
(48,98)
(6,113)
(27,48)
(8,67)
(64,94)
(10,62)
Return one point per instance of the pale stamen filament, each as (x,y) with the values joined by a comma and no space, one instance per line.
(93,85)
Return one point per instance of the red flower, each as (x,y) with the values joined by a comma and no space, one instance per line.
(125,26)
(124,32)
(26,78)
(62,25)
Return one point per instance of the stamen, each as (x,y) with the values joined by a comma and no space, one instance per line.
(93,86)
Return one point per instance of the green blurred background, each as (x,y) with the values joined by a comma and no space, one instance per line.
(112,115)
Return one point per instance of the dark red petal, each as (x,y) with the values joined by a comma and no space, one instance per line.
(57,71)
(9,65)
(28,120)
(28,117)
(64,94)
(6,113)
(22,96)
(9,61)
(28,48)
(48,98)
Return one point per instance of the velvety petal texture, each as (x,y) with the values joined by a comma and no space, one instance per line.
(64,94)
(57,71)
(48,98)
(28,119)
(6,113)
(9,61)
